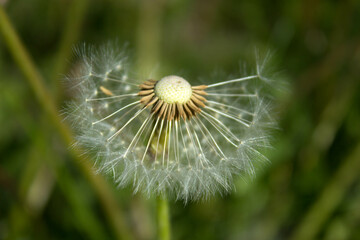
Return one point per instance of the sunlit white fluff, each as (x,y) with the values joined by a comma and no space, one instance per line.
(196,158)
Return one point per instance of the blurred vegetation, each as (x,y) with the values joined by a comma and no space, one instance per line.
(311,189)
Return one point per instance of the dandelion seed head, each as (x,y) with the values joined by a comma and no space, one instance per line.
(173,89)
(169,136)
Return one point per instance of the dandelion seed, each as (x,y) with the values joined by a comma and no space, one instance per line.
(169,135)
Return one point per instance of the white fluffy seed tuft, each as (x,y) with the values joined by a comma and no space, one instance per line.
(173,89)
(185,158)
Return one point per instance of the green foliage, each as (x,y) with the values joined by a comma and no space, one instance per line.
(310,190)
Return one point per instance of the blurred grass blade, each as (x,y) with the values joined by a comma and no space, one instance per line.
(35,80)
(331,196)
(70,34)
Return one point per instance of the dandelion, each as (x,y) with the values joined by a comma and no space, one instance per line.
(169,136)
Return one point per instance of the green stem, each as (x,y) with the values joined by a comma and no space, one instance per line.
(163,220)
(36,82)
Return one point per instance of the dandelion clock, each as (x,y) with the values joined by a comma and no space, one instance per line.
(169,136)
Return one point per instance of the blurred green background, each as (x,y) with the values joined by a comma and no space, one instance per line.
(311,189)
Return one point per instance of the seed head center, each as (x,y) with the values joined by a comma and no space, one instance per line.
(172,97)
(173,89)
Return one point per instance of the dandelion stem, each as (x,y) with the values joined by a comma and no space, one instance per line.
(163,220)
(36,81)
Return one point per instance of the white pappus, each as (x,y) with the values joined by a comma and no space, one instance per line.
(169,135)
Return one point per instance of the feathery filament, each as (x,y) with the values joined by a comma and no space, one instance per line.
(167,135)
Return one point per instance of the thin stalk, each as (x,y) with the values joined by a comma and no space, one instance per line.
(149,32)
(36,82)
(163,220)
